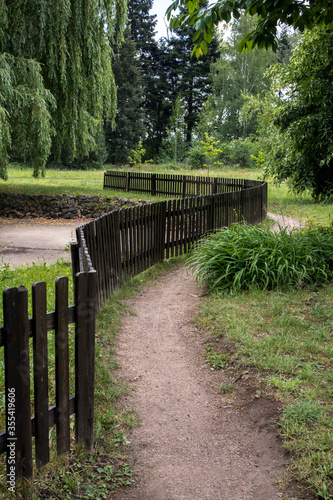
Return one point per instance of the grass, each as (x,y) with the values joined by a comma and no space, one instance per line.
(76,182)
(287,338)
(244,257)
(77,474)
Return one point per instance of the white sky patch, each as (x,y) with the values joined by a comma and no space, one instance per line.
(159,8)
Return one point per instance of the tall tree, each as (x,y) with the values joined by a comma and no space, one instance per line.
(304,116)
(66,44)
(142,25)
(129,122)
(192,77)
(233,75)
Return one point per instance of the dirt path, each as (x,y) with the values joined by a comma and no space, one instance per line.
(191,444)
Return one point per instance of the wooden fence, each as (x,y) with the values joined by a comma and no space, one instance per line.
(127,241)
(21,426)
(108,249)
(173,185)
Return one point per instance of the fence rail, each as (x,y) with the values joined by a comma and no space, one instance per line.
(128,241)
(108,249)
(173,185)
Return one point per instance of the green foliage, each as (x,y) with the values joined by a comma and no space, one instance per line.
(271,13)
(129,126)
(233,75)
(210,151)
(25,107)
(175,142)
(304,116)
(196,157)
(216,360)
(137,154)
(241,152)
(243,257)
(56,59)
(204,153)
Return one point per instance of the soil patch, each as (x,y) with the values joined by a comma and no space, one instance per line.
(193,443)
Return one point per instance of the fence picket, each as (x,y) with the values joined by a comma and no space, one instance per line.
(62,365)
(40,373)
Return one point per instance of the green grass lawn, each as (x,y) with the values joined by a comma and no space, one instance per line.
(90,182)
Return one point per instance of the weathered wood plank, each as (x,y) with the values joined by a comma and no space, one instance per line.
(40,372)
(62,365)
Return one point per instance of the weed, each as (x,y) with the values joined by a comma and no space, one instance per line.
(216,360)
(226,389)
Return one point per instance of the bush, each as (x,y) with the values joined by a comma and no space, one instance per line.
(243,257)
(241,152)
(196,157)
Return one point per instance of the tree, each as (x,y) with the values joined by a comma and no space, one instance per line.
(304,116)
(233,75)
(56,69)
(129,121)
(296,118)
(191,78)
(142,25)
(175,142)
(271,13)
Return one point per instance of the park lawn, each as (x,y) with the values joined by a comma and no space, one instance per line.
(90,182)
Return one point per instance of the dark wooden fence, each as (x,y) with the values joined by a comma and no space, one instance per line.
(108,249)
(127,241)
(21,426)
(173,185)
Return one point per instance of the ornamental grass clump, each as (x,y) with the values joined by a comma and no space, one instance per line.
(242,257)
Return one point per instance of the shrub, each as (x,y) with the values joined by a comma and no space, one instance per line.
(196,157)
(241,152)
(243,257)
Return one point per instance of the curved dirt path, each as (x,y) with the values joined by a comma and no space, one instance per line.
(191,444)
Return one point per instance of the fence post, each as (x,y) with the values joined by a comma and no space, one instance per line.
(127,185)
(153,184)
(62,365)
(17,386)
(40,373)
(86,306)
(184,186)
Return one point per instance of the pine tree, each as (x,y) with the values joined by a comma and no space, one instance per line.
(191,77)
(56,72)
(129,127)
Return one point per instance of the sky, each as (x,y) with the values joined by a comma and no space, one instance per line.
(159,8)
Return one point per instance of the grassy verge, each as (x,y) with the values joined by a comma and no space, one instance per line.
(77,474)
(287,337)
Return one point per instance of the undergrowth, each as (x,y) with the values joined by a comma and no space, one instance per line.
(243,257)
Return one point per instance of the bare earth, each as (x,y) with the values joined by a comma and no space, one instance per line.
(193,443)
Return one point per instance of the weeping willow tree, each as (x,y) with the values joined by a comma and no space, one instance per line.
(56,80)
